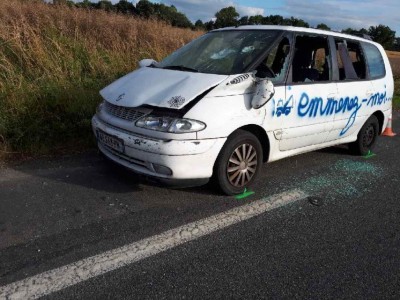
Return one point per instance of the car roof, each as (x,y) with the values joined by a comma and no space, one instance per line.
(294,29)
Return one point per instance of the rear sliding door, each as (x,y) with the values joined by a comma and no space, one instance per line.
(354,88)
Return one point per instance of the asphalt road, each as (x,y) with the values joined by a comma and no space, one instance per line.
(55,212)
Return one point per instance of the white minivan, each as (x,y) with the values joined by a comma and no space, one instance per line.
(237,97)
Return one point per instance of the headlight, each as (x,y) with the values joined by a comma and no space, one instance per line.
(100,107)
(155,123)
(168,124)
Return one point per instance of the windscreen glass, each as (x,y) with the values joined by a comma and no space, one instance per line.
(221,52)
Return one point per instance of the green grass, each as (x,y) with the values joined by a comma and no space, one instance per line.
(396,96)
(53,62)
(396,102)
(42,111)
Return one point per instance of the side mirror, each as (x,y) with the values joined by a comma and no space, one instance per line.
(264,92)
(147,62)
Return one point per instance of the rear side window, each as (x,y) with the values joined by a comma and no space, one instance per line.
(375,62)
(357,59)
(351,60)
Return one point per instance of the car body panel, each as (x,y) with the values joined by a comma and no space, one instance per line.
(158,87)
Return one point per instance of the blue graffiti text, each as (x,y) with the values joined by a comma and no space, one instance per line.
(315,107)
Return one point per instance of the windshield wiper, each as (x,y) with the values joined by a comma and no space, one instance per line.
(181,68)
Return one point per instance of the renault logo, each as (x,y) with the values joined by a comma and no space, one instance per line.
(120,97)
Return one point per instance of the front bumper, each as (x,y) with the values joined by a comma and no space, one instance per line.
(187,159)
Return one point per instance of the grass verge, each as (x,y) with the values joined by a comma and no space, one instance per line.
(396,102)
(53,62)
(396,96)
(394,58)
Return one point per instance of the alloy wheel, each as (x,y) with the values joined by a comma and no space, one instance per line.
(242,165)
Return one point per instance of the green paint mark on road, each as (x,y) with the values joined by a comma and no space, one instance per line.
(245,194)
(370,154)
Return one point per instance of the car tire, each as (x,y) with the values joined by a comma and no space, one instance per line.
(238,163)
(366,138)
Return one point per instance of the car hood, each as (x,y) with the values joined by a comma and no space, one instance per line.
(159,87)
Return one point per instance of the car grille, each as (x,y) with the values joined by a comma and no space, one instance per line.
(126,113)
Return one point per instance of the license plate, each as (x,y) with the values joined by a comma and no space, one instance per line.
(110,141)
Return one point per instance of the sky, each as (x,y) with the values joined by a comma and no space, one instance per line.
(337,14)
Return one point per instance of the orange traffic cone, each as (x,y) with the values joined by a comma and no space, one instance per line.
(388,131)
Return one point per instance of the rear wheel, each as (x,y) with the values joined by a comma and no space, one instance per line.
(238,163)
(366,138)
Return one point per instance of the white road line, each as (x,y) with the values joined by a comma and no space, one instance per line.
(60,278)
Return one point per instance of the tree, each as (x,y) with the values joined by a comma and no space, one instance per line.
(296,22)
(210,25)
(383,35)
(64,2)
(396,44)
(171,15)
(105,4)
(145,8)
(226,17)
(86,4)
(323,26)
(180,20)
(244,20)
(274,20)
(352,31)
(125,7)
(256,20)
(199,24)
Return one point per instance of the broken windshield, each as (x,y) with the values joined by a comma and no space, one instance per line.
(221,52)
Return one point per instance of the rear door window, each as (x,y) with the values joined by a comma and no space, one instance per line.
(376,65)
(351,61)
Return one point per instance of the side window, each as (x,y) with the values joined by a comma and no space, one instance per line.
(357,59)
(375,61)
(311,61)
(351,60)
(275,65)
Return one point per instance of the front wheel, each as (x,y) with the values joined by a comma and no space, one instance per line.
(366,138)
(238,163)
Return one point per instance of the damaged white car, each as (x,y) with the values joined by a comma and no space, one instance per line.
(237,97)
